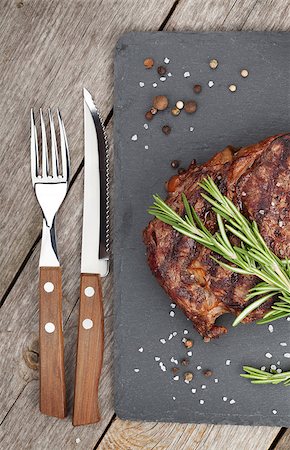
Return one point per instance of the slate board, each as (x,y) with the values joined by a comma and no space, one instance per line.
(259,108)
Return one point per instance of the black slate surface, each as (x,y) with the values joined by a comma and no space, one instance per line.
(259,108)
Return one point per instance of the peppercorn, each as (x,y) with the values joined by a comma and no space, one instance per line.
(179,104)
(190,106)
(149,115)
(161,70)
(153,111)
(175,164)
(160,102)
(197,88)
(185,362)
(213,63)
(207,373)
(148,63)
(244,73)
(232,87)
(175,370)
(166,129)
(175,111)
(188,376)
(181,170)
(188,343)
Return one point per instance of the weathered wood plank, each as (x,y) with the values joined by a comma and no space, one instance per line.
(284,442)
(49,51)
(124,434)
(206,16)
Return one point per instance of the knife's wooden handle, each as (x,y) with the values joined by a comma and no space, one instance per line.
(52,399)
(90,349)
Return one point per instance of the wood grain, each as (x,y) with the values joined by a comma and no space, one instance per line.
(90,349)
(52,394)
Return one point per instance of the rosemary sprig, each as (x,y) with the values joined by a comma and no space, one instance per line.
(258,376)
(253,257)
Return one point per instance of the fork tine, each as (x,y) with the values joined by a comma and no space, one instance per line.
(33,147)
(44,147)
(65,162)
(54,156)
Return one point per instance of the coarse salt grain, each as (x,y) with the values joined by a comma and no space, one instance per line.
(186,381)
(176,378)
(274,411)
(169,74)
(146,126)
(162,78)
(283,344)
(261,211)
(162,366)
(288,319)
(278,363)
(172,313)
(286,355)
(191,129)
(210,83)
(170,336)
(136,370)
(279,370)
(203,386)
(216,380)
(186,74)
(271,328)
(157,358)
(189,353)
(185,331)
(198,367)
(232,401)
(173,398)
(154,85)
(173,305)
(244,194)
(141,349)
(163,341)
(141,84)
(281,223)
(225,399)
(166,60)
(268,355)
(273,367)
(146,147)
(193,390)
(134,137)
(174,360)
(201,402)
(263,368)
(228,362)
(78,440)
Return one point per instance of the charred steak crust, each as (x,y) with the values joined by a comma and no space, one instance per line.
(257,179)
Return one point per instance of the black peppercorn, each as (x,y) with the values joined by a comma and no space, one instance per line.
(161,70)
(166,129)
(175,164)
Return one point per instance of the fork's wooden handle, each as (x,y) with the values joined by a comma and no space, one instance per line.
(90,350)
(52,376)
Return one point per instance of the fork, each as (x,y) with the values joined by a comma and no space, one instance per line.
(50,182)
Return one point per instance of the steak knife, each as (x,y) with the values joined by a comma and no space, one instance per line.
(94,266)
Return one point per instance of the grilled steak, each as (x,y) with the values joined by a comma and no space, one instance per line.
(257,179)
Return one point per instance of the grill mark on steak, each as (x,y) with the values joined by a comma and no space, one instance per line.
(256,178)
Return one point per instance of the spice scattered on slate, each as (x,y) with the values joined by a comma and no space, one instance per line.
(149,115)
(184,362)
(166,130)
(153,111)
(190,106)
(244,73)
(188,376)
(160,102)
(175,164)
(207,373)
(197,88)
(148,63)
(232,87)
(179,104)
(181,170)
(188,343)
(175,111)
(161,70)
(213,63)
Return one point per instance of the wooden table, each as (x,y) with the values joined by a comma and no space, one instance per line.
(49,51)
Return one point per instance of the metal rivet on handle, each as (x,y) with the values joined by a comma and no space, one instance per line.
(87,324)
(89,291)
(49,327)
(48,286)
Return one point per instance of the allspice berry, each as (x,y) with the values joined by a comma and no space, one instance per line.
(207,373)
(190,106)
(232,87)
(188,343)
(166,129)
(175,111)
(149,115)
(244,73)
(197,88)
(160,102)
(148,63)
(188,376)
(161,70)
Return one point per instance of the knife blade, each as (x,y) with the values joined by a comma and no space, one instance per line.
(94,265)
